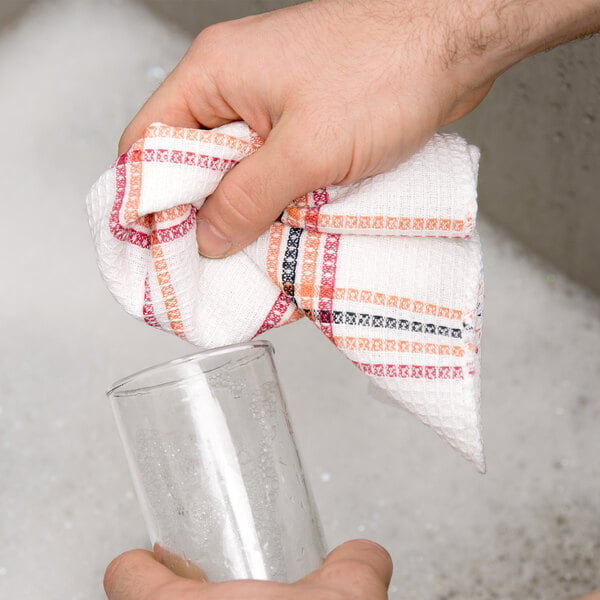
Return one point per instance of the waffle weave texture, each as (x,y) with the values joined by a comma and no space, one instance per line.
(389,268)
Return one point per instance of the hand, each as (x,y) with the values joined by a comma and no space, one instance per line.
(342,89)
(357,570)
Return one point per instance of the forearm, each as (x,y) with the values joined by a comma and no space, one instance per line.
(477,40)
(556,22)
(510,30)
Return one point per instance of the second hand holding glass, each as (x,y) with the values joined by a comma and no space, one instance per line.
(216,469)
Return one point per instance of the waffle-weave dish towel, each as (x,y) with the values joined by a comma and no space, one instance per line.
(389,268)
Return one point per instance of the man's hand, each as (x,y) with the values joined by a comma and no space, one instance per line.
(342,89)
(357,570)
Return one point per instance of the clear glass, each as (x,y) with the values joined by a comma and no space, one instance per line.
(215,466)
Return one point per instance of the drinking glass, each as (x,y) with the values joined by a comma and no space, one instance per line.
(215,466)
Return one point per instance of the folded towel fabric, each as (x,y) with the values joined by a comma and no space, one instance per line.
(389,268)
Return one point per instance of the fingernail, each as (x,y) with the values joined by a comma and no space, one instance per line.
(211,243)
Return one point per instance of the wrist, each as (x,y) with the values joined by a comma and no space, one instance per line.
(513,30)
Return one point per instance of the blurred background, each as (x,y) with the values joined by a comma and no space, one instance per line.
(73,73)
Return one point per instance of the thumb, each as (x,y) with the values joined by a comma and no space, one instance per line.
(138,574)
(254,193)
(359,565)
(135,575)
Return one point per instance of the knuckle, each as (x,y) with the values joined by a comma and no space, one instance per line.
(316,151)
(213,39)
(304,150)
(342,570)
(239,210)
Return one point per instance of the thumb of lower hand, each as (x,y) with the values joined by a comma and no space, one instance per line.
(360,559)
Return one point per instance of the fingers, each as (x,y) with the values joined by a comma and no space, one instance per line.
(167,105)
(254,193)
(135,575)
(185,99)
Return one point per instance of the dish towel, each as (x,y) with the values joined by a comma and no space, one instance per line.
(389,268)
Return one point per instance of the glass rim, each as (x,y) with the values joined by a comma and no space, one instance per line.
(113,390)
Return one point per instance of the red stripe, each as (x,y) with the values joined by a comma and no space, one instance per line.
(276,313)
(311,217)
(148,309)
(178,157)
(327,284)
(134,236)
(410,371)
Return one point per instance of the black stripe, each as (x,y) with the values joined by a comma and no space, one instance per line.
(340,317)
(290,261)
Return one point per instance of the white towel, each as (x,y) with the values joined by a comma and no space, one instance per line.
(389,268)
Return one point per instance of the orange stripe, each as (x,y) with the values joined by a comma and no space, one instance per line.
(309,269)
(392,345)
(273,250)
(131,213)
(274,246)
(168,292)
(305,290)
(171,214)
(296,214)
(328,221)
(255,140)
(205,136)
